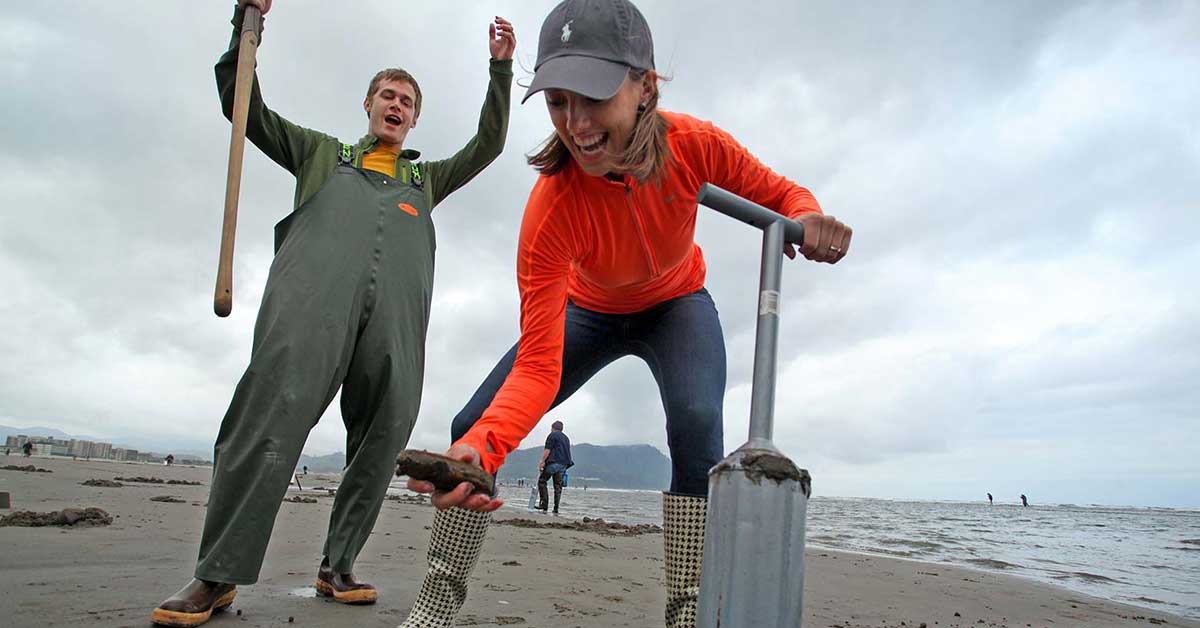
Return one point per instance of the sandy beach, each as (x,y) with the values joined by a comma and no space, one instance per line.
(113,575)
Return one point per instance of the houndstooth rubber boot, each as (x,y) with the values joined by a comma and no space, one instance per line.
(683,548)
(453,549)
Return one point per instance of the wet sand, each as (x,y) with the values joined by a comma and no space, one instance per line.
(583,576)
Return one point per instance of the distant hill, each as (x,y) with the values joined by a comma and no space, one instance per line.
(602,466)
(329,463)
(6,431)
(607,466)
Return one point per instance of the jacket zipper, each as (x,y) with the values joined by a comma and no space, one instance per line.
(637,227)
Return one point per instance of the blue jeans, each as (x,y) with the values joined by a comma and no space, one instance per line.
(680,340)
(555,467)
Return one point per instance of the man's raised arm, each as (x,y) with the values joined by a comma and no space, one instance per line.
(448,175)
(285,143)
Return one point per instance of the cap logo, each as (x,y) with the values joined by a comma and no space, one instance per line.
(566,33)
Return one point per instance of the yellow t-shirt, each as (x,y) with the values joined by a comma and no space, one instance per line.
(382,160)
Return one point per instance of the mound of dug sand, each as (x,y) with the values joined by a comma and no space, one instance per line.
(103,483)
(156,481)
(66,517)
(408,499)
(29,468)
(588,524)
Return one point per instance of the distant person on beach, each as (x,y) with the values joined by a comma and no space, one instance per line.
(1024,500)
(305,469)
(556,459)
(608,266)
(989,499)
(27,448)
(346,306)
(170,459)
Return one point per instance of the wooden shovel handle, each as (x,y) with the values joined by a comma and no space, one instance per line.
(247,51)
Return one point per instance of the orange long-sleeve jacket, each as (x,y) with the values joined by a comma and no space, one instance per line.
(615,247)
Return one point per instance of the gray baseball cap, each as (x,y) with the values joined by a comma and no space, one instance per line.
(588,47)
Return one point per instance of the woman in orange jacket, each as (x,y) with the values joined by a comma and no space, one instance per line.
(607,266)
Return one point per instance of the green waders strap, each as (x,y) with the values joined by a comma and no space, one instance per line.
(346,156)
(417,181)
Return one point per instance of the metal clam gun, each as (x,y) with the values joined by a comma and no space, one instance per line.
(753,569)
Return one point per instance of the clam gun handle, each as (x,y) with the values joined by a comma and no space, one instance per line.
(748,212)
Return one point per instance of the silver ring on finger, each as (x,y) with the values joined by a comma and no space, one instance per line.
(834,249)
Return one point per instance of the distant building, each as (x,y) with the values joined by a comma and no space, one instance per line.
(43,445)
(88,449)
(82,448)
(122,454)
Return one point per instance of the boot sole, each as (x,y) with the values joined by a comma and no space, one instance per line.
(180,619)
(357,596)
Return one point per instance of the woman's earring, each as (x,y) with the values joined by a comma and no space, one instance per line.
(642,108)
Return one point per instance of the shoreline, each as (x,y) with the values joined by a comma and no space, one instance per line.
(981,571)
(528,575)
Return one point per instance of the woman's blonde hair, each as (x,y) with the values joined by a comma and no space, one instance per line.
(645,157)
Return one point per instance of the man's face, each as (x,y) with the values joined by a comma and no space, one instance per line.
(391,112)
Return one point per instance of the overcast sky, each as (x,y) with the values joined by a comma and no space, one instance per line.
(1018,313)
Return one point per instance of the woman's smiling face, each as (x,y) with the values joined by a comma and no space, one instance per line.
(596,132)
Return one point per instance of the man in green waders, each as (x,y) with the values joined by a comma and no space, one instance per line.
(346,305)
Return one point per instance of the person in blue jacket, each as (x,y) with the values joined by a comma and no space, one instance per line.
(556,459)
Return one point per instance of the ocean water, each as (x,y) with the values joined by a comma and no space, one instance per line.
(1148,557)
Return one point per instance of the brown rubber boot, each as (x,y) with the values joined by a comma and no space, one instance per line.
(194,604)
(342,587)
